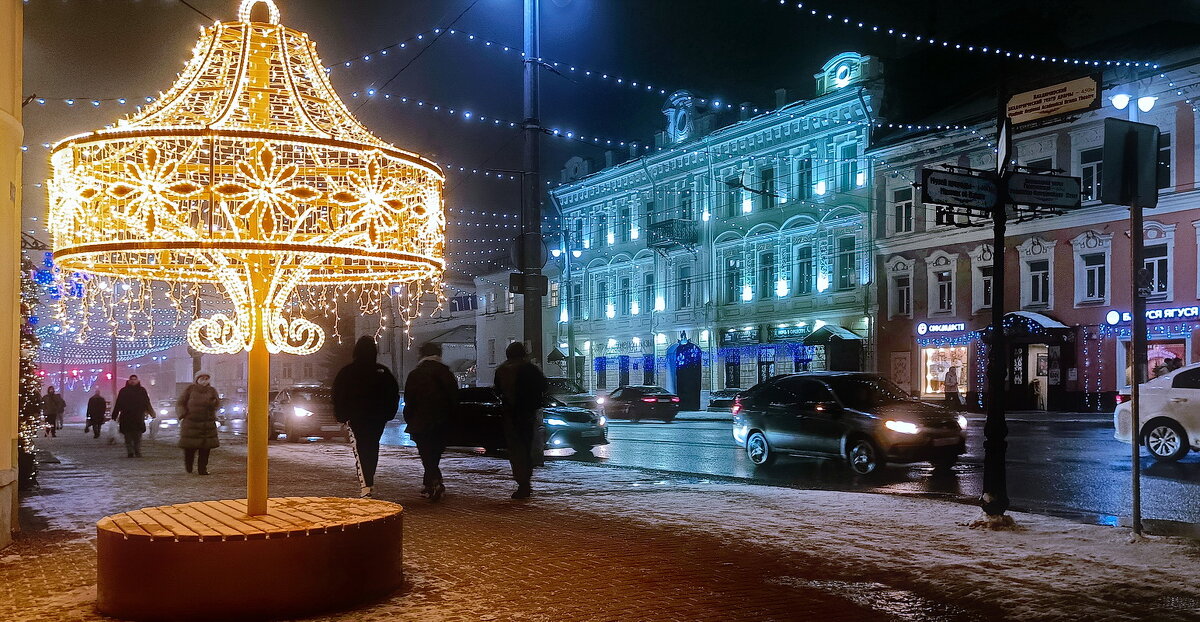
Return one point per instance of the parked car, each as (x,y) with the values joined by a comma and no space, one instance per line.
(569,392)
(638,402)
(165,418)
(722,399)
(861,417)
(302,412)
(1169,415)
(477,423)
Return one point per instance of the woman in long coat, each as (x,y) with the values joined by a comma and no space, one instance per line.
(198,422)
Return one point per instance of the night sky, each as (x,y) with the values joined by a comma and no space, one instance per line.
(735,50)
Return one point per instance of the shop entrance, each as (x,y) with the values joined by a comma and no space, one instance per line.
(1039,348)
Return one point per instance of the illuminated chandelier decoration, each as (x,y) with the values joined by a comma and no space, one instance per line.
(252,175)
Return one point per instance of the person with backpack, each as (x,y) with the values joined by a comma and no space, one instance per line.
(522,389)
(430,392)
(366,395)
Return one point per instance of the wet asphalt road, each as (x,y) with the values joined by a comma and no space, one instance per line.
(1075,470)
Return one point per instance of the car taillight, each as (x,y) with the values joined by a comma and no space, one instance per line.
(1122,398)
(737,405)
(649,399)
(674,399)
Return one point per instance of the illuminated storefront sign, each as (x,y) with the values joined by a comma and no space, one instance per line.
(1114,317)
(952,327)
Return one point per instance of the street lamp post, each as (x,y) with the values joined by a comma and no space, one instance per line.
(531,213)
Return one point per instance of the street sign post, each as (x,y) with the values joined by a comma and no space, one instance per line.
(1056,191)
(958,189)
(1054,101)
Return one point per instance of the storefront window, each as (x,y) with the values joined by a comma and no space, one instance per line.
(1161,356)
(935,362)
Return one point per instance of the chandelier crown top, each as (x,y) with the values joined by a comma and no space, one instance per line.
(248,6)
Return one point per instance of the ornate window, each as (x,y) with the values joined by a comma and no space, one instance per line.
(900,287)
(942,274)
(1036,258)
(982,291)
(1093,256)
(1159,260)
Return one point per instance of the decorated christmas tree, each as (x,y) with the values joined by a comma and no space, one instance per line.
(30,394)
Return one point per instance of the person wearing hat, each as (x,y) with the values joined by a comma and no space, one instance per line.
(197,409)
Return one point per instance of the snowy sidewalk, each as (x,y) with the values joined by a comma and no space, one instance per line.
(613,544)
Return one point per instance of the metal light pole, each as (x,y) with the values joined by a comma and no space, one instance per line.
(531,213)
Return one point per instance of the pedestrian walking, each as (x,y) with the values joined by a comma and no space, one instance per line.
(950,386)
(522,388)
(53,407)
(430,393)
(130,411)
(95,414)
(366,395)
(197,410)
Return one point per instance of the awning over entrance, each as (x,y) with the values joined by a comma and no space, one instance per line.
(823,335)
(1044,321)
(557,355)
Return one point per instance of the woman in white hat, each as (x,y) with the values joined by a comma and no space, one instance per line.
(198,422)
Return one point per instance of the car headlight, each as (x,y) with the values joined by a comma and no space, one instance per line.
(162,411)
(554,421)
(300,412)
(602,420)
(962,422)
(903,427)
(167,422)
(237,409)
(600,400)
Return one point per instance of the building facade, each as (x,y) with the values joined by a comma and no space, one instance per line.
(1067,277)
(751,241)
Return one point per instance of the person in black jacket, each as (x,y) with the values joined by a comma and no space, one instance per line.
(366,395)
(522,389)
(430,392)
(130,411)
(95,414)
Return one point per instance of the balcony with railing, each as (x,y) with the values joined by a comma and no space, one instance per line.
(671,233)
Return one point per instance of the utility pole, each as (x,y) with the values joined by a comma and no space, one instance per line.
(531,212)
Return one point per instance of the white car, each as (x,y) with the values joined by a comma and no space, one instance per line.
(1169,414)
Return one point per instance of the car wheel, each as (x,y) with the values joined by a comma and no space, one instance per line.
(1165,440)
(758,450)
(863,457)
(293,436)
(944,463)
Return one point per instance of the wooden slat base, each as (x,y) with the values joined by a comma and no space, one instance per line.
(210,561)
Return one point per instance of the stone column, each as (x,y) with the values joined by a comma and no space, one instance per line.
(11,135)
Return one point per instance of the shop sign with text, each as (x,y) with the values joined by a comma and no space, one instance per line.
(950,327)
(1114,317)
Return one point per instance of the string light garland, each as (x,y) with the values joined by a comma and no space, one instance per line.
(905,36)
(250,174)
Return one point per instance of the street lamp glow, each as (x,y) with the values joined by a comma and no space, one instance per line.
(555,253)
(577,254)
(747,293)
(1146,104)
(563,316)
(634,232)
(660,304)
(747,206)
(819,188)
(1120,101)
(660,338)
(610,311)
(781,288)
(822,282)
(635,308)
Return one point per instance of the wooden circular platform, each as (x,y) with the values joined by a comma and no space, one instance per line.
(208,560)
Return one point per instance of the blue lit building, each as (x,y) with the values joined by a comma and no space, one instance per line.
(749,239)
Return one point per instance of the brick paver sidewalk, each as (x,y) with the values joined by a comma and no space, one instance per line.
(476,555)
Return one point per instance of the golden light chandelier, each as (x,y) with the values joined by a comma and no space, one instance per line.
(251,174)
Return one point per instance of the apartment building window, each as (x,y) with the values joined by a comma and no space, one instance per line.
(624,297)
(902,296)
(576,300)
(944,282)
(733,280)
(625,224)
(1039,282)
(510,301)
(766,200)
(845,263)
(491,351)
(286,372)
(553,298)
(804,270)
(804,179)
(902,210)
(985,287)
(943,216)
(1091,167)
(1095,277)
(1158,264)
(307,369)
(1164,161)
(766,275)
(733,197)
(686,209)
(648,216)
(848,166)
(683,299)
(647,302)
(600,233)
(941,274)
(601,299)
(578,237)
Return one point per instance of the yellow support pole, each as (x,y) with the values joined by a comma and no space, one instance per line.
(257,421)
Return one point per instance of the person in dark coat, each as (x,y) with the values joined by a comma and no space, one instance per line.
(95,414)
(522,389)
(53,407)
(197,409)
(430,393)
(130,411)
(366,395)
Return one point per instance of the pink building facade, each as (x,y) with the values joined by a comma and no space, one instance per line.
(1068,277)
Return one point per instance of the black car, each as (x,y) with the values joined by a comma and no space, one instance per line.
(861,417)
(477,422)
(569,392)
(640,402)
(722,399)
(302,412)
